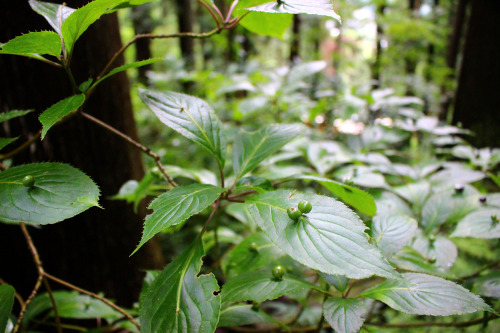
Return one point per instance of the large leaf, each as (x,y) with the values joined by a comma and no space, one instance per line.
(38,42)
(4,142)
(438,248)
(58,111)
(180,301)
(54,13)
(260,285)
(274,25)
(423,294)
(481,224)
(345,315)
(13,114)
(127,66)
(176,206)
(330,238)
(411,260)
(60,192)
(393,232)
(315,7)
(191,117)
(251,148)
(7,294)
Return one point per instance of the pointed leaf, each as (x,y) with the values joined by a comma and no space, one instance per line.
(393,232)
(13,114)
(242,314)
(411,260)
(176,206)
(127,66)
(7,294)
(330,238)
(191,117)
(480,224)
(423,294)
(439,249)
(339,282)
(39,42)
(314,7)
(54,13)
(60,192)
(179,301)
(251,148)
(345,315)
(4,142)
(58,111)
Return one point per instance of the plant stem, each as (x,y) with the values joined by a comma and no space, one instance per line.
(136,144)
(54,304)
(211,11)
(21,147)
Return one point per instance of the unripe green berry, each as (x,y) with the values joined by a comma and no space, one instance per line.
(278,272)
(305,206)
(253,247)
(29,181)
(293,213)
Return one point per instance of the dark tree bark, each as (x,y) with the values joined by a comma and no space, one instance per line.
(143,23)
(477,99)
(376,67)
(295,42)
(92,249)
(185,22)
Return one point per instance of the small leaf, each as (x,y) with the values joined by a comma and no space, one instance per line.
(176,206)
(58,111)
(488,285)
(393,232)
(4,142)
(60,192)
(191,117)
(7,294)
(330,238)
(40,43)
(54,13)
(13,114)
(440,249)
(411,260)
(251,148)
(480,224)
(84,86)
(314,7)
(423,294)
(339,282)
(127,66)
(180,301)
(345,315)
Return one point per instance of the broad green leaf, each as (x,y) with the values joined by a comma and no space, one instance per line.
(438,248)
(59,110)
(324,155)
(242,314)
(191,117)
(481,224)
(181,301)
(60,192)
(7,294)
(390,204)
(416,193)
(251,148)
(314,7)
(127,66)
(265,24)
(345,315)
(393,232)
(176,206)
(13,114)
(330,238)
(245,259)
(339,282)
(488,285)
(260,285)
(411,260)
(4,142)
(456,174)
(39,43)
(353,196)
(423,294)
(54,13)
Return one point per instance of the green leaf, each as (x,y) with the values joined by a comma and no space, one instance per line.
(480,224)
(495,178)
(423,294)
(439,248)
(4,142)
(488,285)
(54,13)
(260,285)
(191,117)
(58,111)
(251,148)
(390,204)
(416,193)
(39,43)
(345,315)
(353,196)
(13,114)
(339,282)
(393,232)
(127,66)
(176,206)
(330,238)
(314,7)
(180,301)
(7,294)
(60,192)
(243,314)
(265,24)
(411,260)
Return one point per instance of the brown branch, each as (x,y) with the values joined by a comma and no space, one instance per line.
(54,304)
(21,147)
(136,144)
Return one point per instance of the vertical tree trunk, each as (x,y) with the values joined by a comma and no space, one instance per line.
(295,42)
(477,99)
(143,23)
(411,64)
(92,249)
(185,22)
(376,66)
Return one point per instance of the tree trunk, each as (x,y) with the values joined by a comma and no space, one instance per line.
(92,249)
(477,98)
(295,43)
(185,22)
(143,23)
(376,66)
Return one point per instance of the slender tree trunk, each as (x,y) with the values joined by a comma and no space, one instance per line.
(92,249)
(185,23)
(411,63)
(295,42)
(143,23)
(376,66)
(477,99)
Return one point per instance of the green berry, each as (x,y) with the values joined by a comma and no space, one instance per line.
(278,272)
(29,181)
(305,206)
(459,188)
(253,247)
(293,213)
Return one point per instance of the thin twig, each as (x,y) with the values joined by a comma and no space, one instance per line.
(136,144)
(21,147)
(231,9)
(54,304)
(216,206)
(211,11)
